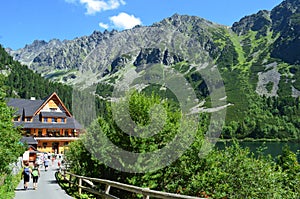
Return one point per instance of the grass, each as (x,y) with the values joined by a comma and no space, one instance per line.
(64,184)
(10,182)
(59,73)
(182,67)
(269,86)
(73,190)
(237,45)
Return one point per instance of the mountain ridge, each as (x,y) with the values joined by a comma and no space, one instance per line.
(264,35)
(257,59)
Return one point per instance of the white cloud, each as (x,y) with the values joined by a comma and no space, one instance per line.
(94,6)
(125,21)
(103,25)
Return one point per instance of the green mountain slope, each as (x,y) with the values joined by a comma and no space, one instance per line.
(257,58)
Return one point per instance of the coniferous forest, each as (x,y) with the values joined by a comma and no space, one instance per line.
(21,82)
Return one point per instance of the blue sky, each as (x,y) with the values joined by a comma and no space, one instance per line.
(23,21)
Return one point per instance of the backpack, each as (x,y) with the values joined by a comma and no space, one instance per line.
(35,172)
(46,162)
(26,171)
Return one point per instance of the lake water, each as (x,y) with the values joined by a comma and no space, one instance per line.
(273,148)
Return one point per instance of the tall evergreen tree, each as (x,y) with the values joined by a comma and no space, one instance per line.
(10,147)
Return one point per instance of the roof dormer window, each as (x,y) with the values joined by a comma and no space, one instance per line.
(16,119)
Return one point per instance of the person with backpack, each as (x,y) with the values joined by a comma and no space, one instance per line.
(26,174)
(46,164)
(35,175)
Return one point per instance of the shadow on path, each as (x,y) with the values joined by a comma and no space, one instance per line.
(52,182)
(22,189)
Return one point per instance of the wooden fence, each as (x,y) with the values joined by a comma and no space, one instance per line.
(80,181)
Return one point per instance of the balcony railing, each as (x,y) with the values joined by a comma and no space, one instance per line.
(57,135)
(56,138)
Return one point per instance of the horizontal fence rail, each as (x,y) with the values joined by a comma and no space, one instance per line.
(146,192)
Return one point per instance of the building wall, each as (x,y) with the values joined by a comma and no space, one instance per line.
(53,146)
(61,132)
(47,146)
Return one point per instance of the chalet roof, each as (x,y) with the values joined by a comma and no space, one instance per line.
(29,107)
(34,109)
(53,96)
(25,106)
(71,123)
(28,140)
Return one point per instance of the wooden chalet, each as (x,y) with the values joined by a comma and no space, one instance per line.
(48,121)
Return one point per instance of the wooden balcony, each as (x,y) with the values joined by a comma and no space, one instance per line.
(61,138)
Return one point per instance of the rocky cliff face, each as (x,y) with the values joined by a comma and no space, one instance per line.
(267,40)
(286,23)
(47,56)
(259,22)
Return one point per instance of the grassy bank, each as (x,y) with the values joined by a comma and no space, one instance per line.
(8,184)
(73,190)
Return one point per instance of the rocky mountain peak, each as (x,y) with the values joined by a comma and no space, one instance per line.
(286,24)
(286,15)
(257,22)
(36,44)
(185,22)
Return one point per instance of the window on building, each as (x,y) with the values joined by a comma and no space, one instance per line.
(74,134)
(53,109)
(54,119)
(40,133)
(56,132)
(63,120)
(66,143)
(45,119)
(27,132)
(49,133)
(44,144)
(16,119)
(27,119)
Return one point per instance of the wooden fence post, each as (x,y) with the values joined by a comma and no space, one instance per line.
(107,188)
(79,186)
(147,193)
(70,181)
(145,196)
(64,173)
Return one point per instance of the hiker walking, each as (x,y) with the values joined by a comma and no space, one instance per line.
(35,175)
(46,164)
(26,174)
